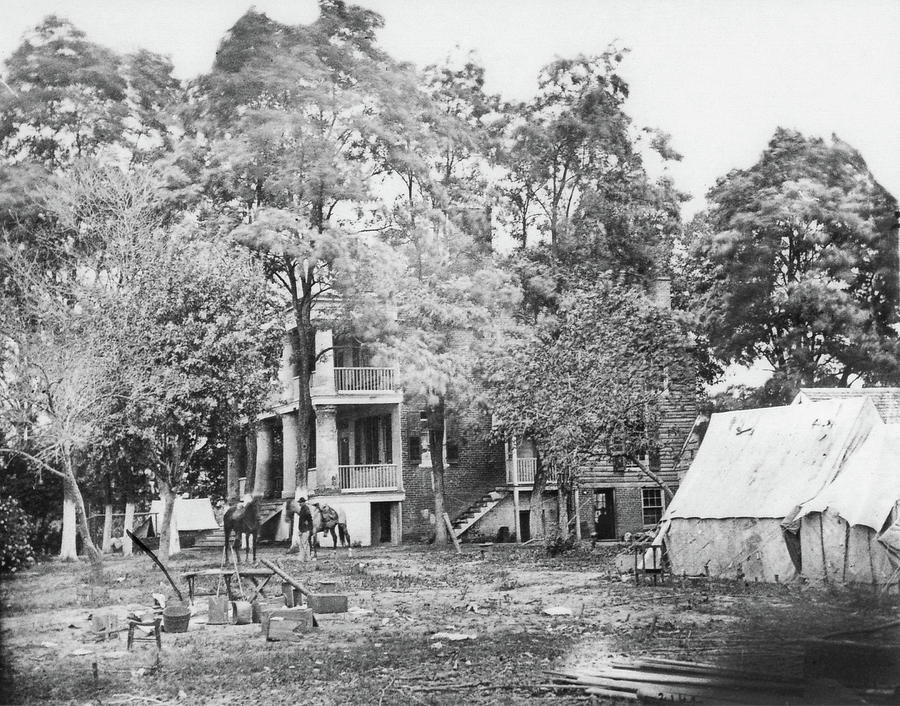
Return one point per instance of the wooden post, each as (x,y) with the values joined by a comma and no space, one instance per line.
(517,522)
(577,513)
(129,525)
(452,533)
(285,576)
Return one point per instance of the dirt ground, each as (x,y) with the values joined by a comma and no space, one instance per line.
(384,650)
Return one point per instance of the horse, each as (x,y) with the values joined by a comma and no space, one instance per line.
(243,520)
(324,519)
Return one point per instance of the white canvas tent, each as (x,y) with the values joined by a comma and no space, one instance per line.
(753,470)
(850,532)
(190,514)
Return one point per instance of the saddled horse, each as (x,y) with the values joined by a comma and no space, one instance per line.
(329,519)
(324,519)
(243,520)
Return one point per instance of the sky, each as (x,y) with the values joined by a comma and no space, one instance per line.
(719,75)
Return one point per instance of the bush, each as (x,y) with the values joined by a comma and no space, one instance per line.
(15,532)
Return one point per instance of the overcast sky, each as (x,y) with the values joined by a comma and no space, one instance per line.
(719,76)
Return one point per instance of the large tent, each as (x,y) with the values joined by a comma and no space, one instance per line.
(754,480)
(850,532)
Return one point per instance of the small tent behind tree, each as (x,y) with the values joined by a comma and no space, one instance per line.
(753,470)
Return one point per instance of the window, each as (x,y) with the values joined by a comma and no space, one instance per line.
(652,503)
(415,447)
(618,463)
(451,424)
(653,460)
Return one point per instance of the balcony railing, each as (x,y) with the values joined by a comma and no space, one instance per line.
(526,470)
(363,379)
(360,479)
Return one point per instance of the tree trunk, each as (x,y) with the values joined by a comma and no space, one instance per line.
(562,504)
(251,459)
(536,503)
(106,546)
(168,532)
(436,437)
(304,353)
(68,549)
(75,493)
(232,471)
(653,476)
(129,525)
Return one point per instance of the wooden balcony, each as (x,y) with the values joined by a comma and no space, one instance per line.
(526,471)
(363,479)
(350,380)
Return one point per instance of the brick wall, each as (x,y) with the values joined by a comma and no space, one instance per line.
(478,470)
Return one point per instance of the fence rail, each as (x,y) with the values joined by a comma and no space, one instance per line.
(526,471)
(363,379)
(359,479)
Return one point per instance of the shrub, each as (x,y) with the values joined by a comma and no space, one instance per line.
(15,532)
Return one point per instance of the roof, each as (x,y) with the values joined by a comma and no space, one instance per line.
(885,399)
(192,514)
(763,463)
(868,485)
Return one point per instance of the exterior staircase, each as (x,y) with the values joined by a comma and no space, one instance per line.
(477,510)
(216,538)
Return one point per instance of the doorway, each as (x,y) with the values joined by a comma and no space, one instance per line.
(525,525)
(381,523)
(604,514)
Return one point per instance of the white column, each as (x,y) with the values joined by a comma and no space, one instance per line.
(289,455)
(324,379)
(129,525)
(264,441)
(326,445)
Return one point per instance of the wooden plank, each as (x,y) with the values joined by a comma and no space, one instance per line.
(636,675)
(673,667)
(452,532)
(612,693)
(680,692)
(287,577)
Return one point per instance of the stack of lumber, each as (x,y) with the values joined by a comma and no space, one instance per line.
(672,680)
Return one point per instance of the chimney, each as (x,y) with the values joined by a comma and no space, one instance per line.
(662,292)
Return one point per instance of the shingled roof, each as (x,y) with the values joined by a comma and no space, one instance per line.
(885,399)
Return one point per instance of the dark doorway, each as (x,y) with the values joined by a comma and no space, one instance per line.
(381,523)
(276,465)
(604,514)
(525,525)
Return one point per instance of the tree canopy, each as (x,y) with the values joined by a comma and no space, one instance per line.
(795,264)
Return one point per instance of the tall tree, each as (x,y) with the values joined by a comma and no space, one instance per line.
(798,266)
(591,378)
(570,138)
(295,115)
(201,341)
(452,304)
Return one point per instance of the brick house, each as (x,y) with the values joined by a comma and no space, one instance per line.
(367,459)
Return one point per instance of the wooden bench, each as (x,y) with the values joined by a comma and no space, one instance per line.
(258,577)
